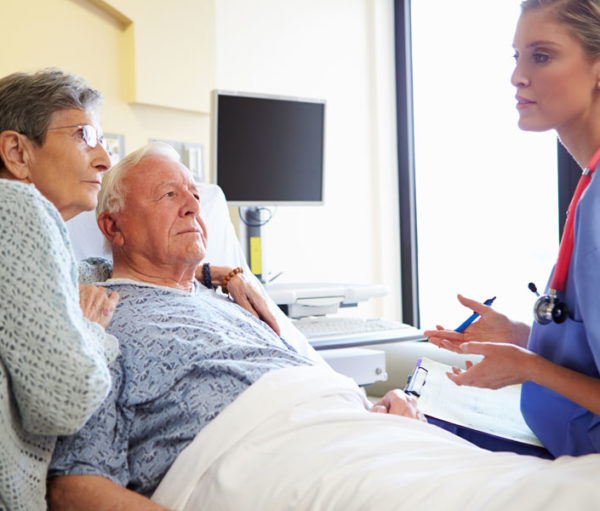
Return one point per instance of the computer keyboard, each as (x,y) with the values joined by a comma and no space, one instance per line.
(336,331)
(324,326)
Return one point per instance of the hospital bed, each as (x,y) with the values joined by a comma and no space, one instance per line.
(224,249)
(422,467)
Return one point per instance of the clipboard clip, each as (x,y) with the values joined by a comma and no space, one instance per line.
(416,381)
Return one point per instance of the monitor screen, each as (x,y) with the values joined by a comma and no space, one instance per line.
(268,150)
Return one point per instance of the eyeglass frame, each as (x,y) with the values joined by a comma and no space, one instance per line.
(88,134)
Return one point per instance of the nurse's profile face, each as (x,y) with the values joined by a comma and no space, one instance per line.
(557,84)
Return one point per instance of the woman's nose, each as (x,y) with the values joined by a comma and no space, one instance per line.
(101,158)
(518,77)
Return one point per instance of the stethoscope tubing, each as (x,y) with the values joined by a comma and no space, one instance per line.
(548,307)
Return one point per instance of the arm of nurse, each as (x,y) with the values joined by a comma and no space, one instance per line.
(506,364)
(492,326)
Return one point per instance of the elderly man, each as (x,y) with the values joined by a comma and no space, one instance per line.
(186,352)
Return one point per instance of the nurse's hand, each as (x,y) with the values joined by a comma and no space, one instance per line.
(502,365)
(397,402)
(96,304)
(492,326)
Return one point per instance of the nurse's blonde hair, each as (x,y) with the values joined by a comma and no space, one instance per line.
(580,17)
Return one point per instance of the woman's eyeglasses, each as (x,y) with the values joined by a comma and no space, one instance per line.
(89,134)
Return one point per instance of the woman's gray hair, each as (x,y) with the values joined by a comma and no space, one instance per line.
(580,17)
(112,194)
(27,101)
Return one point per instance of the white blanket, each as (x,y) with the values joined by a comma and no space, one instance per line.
(302,439)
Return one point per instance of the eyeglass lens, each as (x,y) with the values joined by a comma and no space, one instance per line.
(91,138)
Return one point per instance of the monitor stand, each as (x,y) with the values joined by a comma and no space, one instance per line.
(253,225)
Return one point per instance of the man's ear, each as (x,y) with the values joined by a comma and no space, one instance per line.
(109,227)
(15,153)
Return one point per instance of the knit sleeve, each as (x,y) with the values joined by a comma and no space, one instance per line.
(56,359)
(94,269)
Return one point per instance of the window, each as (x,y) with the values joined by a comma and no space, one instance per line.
(486,192)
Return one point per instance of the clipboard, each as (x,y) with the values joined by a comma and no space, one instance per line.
(491,419)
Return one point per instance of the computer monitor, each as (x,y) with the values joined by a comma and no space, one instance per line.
(268,150)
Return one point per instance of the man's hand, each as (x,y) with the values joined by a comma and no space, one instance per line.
(243,293)
(247,296)
(96,304)
(397,402)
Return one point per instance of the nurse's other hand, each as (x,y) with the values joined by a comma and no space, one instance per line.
(397,402)
(502,365)
(96,304)
(491,326)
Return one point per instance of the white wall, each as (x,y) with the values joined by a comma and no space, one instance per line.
(340,51)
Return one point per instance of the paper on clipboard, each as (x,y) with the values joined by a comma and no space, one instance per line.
(495,412)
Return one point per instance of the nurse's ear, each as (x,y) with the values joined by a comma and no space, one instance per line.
(15,151)
(596,72)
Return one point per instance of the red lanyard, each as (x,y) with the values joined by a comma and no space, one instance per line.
(559,278)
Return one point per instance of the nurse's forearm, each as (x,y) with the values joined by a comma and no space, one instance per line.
(579,388)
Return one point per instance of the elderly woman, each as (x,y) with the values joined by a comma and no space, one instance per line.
(53,354)
(54,351)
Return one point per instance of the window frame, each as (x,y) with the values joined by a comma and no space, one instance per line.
(568,170)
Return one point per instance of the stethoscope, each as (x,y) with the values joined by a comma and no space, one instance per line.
(549,307)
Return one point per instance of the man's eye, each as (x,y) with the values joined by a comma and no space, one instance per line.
(169,194)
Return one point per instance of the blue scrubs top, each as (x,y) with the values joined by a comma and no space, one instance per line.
(563,426)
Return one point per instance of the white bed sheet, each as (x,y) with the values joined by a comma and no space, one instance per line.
(301,439)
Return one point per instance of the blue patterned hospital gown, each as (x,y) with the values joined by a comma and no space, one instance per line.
(184,358)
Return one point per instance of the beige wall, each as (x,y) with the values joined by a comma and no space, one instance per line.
(156,62)
(340,51)
(148,93)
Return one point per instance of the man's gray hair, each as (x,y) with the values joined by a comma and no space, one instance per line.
(112,194)
(27,101)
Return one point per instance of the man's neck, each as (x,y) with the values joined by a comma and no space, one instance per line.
(177,278)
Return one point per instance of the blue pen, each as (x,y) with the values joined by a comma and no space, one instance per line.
(473,316)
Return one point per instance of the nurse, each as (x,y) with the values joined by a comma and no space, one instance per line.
(557,77)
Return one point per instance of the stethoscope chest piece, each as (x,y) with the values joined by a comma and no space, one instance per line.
(548,308)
